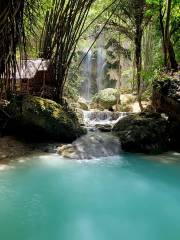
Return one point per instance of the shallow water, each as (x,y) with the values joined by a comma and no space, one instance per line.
(126,197)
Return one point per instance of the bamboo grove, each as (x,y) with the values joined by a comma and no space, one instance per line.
(63,28)
(11,36)
(13,15)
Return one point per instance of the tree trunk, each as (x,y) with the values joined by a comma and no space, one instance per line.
(172,57)
(118,85)
(138,52)
(139,7)
(168,50)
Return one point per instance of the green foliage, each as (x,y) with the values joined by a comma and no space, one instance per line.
(73,83)
(118,19)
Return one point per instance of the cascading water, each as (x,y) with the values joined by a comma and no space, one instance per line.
(101,63)
(93,69)
(94,118)
(87,71)
(95,143)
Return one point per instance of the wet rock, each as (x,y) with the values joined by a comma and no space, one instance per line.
(93,145)
(69,151)
(144,132)
(104,127)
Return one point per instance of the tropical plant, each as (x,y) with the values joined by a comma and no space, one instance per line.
(63,27)
(13,14)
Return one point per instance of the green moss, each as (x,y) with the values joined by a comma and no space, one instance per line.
(49,117)
(107,98)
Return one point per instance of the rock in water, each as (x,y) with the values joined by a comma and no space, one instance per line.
(93,145)
(143,132)
(38,117)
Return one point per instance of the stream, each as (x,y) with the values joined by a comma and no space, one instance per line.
(115,196)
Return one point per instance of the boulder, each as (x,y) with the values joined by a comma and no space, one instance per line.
(107,98)
(143,132)
(166,99)
(35,117)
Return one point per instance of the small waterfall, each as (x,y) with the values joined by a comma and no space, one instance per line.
(93,118)
(95,144)
(87,71)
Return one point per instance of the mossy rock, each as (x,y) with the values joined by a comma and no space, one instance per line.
(45,118)
(107,98)
(82,104)
(144,132)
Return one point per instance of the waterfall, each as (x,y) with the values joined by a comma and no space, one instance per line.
(101,63)
(93,68)
(87,71)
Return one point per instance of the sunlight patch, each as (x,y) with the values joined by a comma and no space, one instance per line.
(4,167)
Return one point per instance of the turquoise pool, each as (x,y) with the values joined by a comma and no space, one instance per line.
(126,197)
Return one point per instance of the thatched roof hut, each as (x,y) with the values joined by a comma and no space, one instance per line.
(35,77)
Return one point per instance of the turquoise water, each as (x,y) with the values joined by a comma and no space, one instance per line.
(126,197)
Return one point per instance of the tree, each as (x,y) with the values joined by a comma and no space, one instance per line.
(168,50)
(13,14)
(11,34)
(139,10)
(133,21)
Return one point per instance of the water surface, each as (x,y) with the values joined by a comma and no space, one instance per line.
(126,197)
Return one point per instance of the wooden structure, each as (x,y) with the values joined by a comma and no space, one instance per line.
(35,77)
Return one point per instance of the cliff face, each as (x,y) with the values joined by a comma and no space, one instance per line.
(166,99)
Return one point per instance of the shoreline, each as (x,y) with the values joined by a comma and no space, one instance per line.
(11,148)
